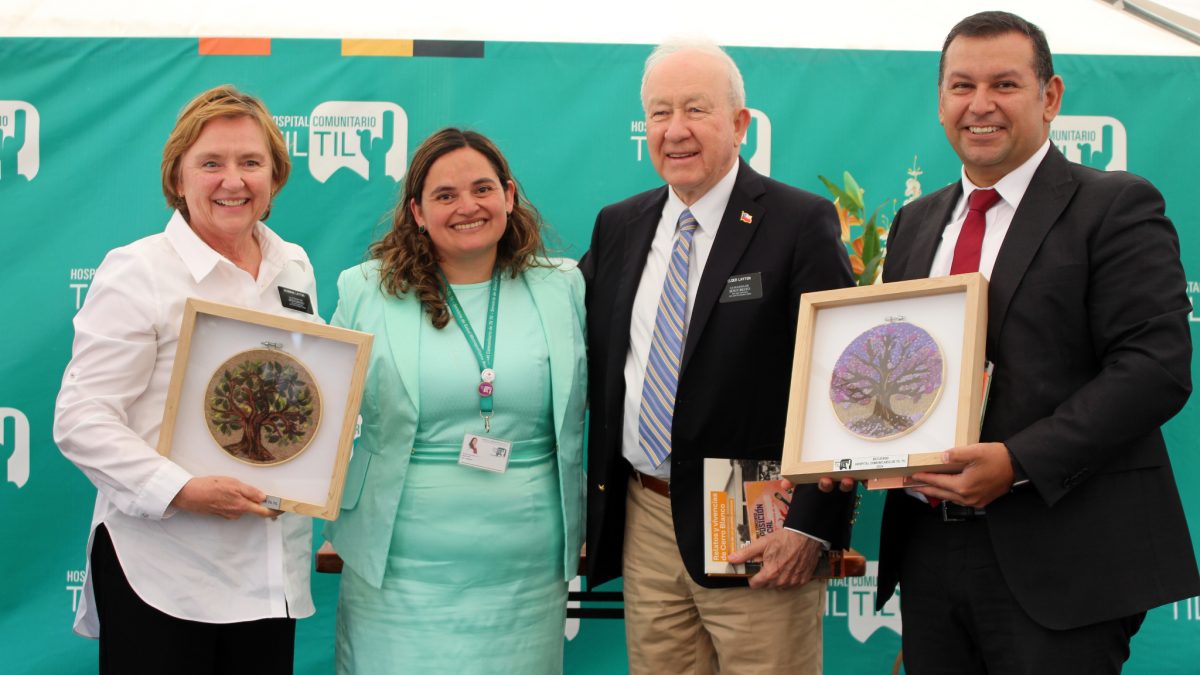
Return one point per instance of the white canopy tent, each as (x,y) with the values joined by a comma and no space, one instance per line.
(105,108)
(1072,26)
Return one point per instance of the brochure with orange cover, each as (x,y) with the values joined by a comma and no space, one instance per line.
(744,500)
(767,503)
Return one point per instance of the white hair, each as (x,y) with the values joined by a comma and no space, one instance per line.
(737,88)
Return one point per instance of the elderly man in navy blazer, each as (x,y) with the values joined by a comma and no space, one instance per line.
(1065,525)
(693,293)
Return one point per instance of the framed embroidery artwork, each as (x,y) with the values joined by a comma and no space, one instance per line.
(885,378)
(270,400)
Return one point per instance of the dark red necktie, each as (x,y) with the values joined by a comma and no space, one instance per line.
(970,239)
(970,243)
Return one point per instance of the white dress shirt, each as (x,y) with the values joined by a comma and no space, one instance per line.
(707,211)
(107,419)
(997,219)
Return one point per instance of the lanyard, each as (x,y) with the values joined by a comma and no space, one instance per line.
(485,353)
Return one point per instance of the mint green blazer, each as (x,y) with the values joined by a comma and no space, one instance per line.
(391,402)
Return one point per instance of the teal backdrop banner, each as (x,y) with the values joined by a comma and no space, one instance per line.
(83,122)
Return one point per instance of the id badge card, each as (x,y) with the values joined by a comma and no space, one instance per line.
(481,452)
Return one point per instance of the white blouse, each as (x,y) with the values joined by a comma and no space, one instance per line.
(107,419)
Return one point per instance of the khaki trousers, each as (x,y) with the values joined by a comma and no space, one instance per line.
(673,625)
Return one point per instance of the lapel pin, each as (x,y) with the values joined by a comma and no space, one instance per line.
(746,217)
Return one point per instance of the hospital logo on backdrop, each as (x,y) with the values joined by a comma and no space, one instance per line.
(75,579)
(368,138)
(571,629)
(14,445)
(854,599)
(20,129)
(1186,610)
(756,146)
(81,278)
(1098,142)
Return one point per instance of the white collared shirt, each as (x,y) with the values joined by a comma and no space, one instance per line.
(707,211)
(107,419)
(1012,189)
(997,220)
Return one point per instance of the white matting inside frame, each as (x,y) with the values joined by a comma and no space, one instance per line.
(942,316)
(306,478)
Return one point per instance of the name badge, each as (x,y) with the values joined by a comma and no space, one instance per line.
(741,287)
(295,300)
(481,452)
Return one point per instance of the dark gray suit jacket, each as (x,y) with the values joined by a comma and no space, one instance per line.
(1088,330)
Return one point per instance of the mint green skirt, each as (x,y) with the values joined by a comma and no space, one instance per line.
(474,582)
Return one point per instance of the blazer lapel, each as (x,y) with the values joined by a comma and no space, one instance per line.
(553,305)
(733,235)
(929,233)
(638,238)
(1048,194)
(403,319)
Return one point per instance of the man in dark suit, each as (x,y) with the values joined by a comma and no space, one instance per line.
(1064,525)
(693,294)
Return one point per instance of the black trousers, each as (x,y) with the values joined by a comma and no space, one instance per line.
(961,619)
(137,638)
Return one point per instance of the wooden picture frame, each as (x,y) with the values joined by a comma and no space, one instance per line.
(821,439)
(328,366)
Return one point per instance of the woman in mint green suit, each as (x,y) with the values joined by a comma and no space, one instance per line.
(461,517)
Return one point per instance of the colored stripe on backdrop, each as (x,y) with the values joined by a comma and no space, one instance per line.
(443,48)
(225,46)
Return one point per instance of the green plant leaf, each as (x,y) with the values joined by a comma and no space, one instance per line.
(870,271)
(855,193)
(871,242)
(838,193)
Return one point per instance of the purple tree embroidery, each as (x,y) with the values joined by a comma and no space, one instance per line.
(880,368)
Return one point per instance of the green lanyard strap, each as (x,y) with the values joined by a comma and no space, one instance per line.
(484,354)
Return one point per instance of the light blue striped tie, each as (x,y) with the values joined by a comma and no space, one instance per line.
(662,367)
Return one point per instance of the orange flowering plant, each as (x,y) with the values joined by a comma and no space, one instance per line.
(867,250)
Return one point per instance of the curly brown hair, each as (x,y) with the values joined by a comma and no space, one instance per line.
(408,261)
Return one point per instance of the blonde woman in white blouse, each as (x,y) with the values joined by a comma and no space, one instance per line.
(185,573)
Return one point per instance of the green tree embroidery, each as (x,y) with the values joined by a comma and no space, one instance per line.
(267,401)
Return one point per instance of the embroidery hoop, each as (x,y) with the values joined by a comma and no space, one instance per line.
(272,351)
(925,411)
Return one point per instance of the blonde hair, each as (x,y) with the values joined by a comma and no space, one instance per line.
(222,101)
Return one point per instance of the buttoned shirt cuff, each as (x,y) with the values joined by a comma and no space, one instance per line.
(154,502)
(819,540)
